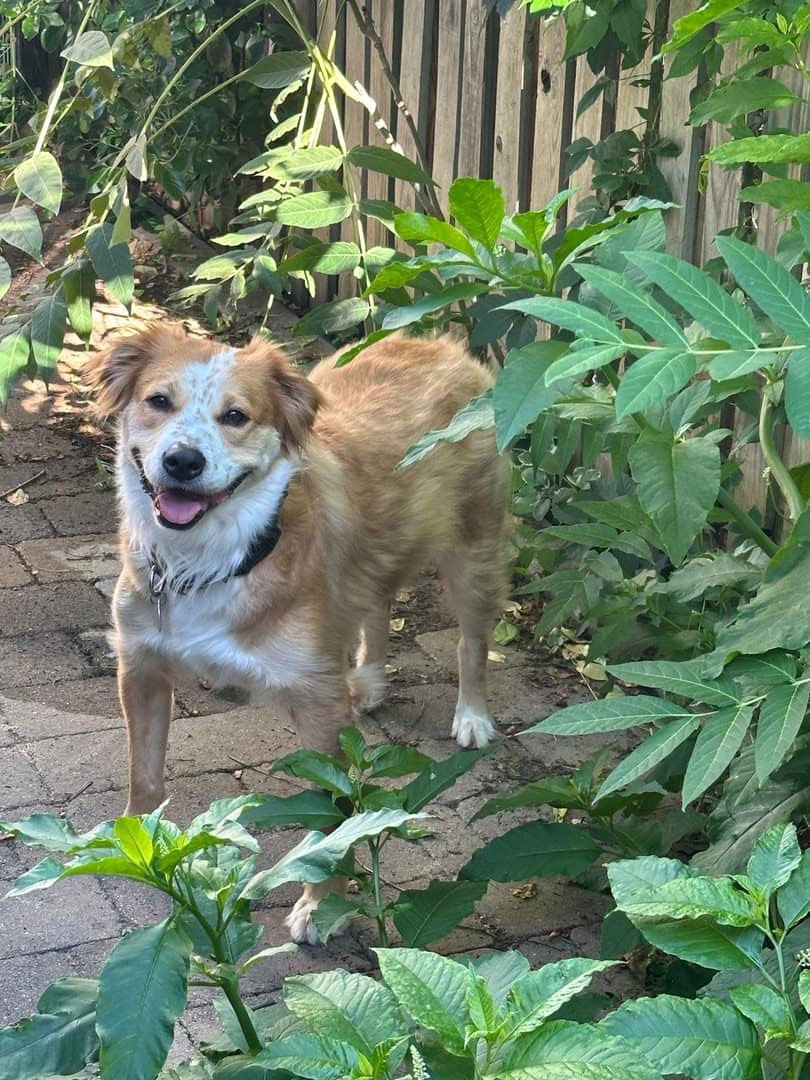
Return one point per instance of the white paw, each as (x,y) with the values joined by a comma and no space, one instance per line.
(368,686)
(472,728)
(299,922)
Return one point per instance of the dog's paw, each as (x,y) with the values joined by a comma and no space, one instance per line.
(299,922)
(472,728)
(368,687)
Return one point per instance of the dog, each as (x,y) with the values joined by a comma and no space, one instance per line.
(265,529)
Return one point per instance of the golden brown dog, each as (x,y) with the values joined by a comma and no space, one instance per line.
(265,530)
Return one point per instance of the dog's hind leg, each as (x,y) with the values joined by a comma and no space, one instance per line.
(146,692)
(368,685)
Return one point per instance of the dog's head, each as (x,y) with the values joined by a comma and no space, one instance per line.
(199,419)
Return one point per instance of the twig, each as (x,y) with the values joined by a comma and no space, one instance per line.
(24,484)
(76,794)
(244,765)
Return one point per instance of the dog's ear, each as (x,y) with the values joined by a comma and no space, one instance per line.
(296,399)
(112,372)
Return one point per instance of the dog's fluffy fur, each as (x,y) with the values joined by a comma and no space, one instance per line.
(354,529)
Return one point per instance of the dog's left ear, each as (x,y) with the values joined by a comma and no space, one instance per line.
(296,398)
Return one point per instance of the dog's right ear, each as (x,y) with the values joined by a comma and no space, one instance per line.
(112,372)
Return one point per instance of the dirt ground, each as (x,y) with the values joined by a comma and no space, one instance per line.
(62,746)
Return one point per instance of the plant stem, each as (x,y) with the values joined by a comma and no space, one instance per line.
(779,470)
(747,524)
(230,988)
(374,847)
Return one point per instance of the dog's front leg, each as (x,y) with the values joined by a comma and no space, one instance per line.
(146,691)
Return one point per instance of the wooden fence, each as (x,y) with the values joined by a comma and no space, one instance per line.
(494,97)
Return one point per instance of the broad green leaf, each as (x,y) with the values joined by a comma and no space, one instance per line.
(438,776)
(336,258)
(783,194)
(739,97)
(732,364)
(43,830)
(21,229)
(769,669)
(600,536)
(678,484)
(623,513)
(685,28)
(312,1056)
(142,991)
(539,994)
(719,740)
(482,1009)
(90,49)
(499,970)
(534,850)
(651,752)
(780,720)
(295,165)
(39,178)
(15,349)
(136,163)
(521,393)
(628,877)
(775,856)
(793,899)
(314,209)
(59,1039)
(653,379)
(112,263)
(333,317)
(707,303)
(332,914)
(769,285)
(5,277)
(608,714)
(702,941)
(420,229)
(277,70)
(763,1006)
(797,392)
(562,1050)
(718,571)
(134,840)
(47,333)
(557,791)
(432,988)
(315,858)
(316,767)
(704,1040)
(397,317)
(684,678)
(432,913)
(478,206)
(79,287)
(394,761)
(571,316)
(762,148)
(693,898)
(635,304)
(582,361)
(475,416)
(343,1005)
(383,160)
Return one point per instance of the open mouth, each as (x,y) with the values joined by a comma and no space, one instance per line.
(181,508)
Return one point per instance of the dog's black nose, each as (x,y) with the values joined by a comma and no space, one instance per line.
(183,462)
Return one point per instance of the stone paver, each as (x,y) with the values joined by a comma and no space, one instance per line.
(12,569)
(55,607)
(86,558)
(24,522)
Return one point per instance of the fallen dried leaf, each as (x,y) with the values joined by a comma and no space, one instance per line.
(17,498)
(525,892)
(496,657)
(397,625)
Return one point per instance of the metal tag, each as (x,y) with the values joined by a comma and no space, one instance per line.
(157,586)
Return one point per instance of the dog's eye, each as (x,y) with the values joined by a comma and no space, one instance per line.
(234,418)
(159,402)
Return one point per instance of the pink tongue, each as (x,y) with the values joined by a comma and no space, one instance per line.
(179,509)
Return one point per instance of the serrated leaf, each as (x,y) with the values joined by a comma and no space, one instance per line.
(651,752)
(90,49)
(534,850)
(707,303)
(384,160)
(39,178)
(521,393)
(20,228)
(653,379)
(775,856)
(112,263)
(719,740)
(278,70)
(429,914)
(583,360)
(475,416)
(478,206)
(684,678)
(780,719)
(635,304)
(14,352)
(769,285)
(47,333)
(608,714)
(432,988)
(571,316)
(314,209)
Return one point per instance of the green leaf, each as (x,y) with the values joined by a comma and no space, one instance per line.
(90,49)
(704,1040)
(693,898)
(112,263)
(21,229)
(277,70)
(314,209)
(39,178)
(432,913)
(315,858)
(651,752)
(475,416)
(397,317)
(5,277)
(793,899)
(719,740)
(763,1006)
(797,392)
(313,1056)
(775,856)
(336,258)
(332,914)
(478,206)
(383,160)
(770,286)
(539,994)
(438,777)
(319,769)
(571,316)
(783,194)
(629,877)
(432,988)
(763,148)
(47,333)
(345,1006)
(394,761)
(678,484)
(142,991)
(534,850)
(295,165)
(79,287)
(685,28)
(702,941)
(707,303)
(635,304)
(780,720)
(600,536)
(333,317)
(732,364)
(700,574)
(653,379)
(684,678)
(562,1050)
(14,351)
(43,830)
(134,840)
(420,229)
(59,1039)
(521,393)
(739,97)
(608,714)
(583,360)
